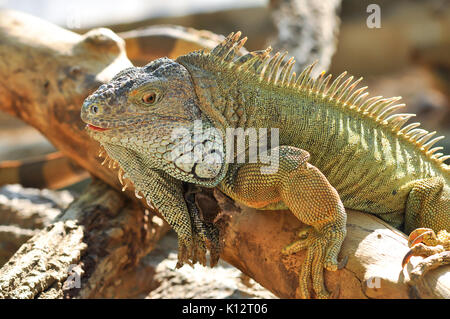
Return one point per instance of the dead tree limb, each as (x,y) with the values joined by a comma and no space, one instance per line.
(56,171)
(24,212)
(48,74)
(82,253)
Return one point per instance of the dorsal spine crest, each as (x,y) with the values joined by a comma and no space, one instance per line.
(271,71)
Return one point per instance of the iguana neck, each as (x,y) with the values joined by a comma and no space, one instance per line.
(192,152)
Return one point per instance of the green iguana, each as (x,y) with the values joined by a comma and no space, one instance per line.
(337,148)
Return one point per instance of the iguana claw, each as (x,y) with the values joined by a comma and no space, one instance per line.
(417,236)
(205,234)
(343,263)
(424,242)
(321,253)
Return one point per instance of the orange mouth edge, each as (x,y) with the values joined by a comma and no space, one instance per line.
(96,128)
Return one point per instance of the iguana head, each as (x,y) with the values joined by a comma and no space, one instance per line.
(140,95)
(146,118)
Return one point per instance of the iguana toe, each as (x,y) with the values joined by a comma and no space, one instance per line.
(185,247)
(322,251)
(298,245)
(436,248)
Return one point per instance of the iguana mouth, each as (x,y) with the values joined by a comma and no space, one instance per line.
(135,123)
(96,128)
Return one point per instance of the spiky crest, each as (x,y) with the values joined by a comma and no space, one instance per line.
(122,176)
(259,65)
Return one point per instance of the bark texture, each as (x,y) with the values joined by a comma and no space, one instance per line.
(48,73)
(25,211)
(97,239)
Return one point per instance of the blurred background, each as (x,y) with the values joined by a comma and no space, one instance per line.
(401,50)
(88,13)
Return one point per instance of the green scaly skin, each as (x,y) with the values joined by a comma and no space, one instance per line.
(338,148)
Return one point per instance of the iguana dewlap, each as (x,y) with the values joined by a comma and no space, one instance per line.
(337,147)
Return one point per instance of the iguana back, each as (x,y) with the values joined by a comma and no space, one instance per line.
(365,151)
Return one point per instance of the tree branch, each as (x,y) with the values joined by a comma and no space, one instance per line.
(99,237)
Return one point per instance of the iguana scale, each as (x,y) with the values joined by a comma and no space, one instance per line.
(338,147)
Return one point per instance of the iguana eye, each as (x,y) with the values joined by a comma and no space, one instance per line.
(94,109)
(149,98)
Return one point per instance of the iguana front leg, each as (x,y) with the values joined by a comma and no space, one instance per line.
(309,196)
(166,194)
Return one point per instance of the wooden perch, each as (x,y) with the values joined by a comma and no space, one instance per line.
(45,171)
(49,71)
(99,237)
(172,41)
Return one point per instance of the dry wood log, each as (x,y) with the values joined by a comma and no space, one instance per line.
(254,22)
(172,41)
(100,236)
(46,171)
(49,72)
(25,211)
